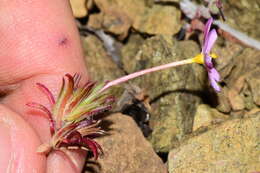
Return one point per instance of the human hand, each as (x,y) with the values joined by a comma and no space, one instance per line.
(39,43)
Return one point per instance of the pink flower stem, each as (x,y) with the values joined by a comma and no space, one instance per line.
(146,71)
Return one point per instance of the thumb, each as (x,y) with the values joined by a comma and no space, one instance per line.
(18,143)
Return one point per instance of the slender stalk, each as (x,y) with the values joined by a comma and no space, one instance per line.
(146,71)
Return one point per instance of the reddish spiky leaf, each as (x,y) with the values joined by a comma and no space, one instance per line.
(47,92)
(71,118)
(92,146)
(47,113)
(62,100)
(79,96)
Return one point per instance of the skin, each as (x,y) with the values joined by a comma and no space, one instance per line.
(39,42)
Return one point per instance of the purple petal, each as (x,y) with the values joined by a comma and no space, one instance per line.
(208,62)
(214,84)
(206,29)
(214,74)
(211,38)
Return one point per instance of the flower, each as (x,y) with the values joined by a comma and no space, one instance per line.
(205,57)
(72,125)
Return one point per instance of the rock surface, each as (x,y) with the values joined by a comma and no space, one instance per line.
(159,20)
(167,1)
(206,116)
(244,16)
(126,150)
(219,143)
(240,76)
(143,15)
(99,64)
(174,92)
(232,147)
(79,8)
(111,20)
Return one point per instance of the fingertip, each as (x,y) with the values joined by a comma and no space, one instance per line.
(5,146)
(66,161)
(18,145)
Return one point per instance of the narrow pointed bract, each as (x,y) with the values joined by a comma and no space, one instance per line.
(71,116)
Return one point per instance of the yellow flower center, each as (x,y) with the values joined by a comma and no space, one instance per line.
(213,55)
(200,58)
